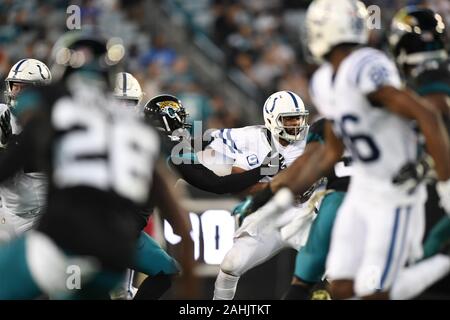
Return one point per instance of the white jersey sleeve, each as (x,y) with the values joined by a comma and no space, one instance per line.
(246,146)
(246,162)
(225,142)
(380,141)
(373,71)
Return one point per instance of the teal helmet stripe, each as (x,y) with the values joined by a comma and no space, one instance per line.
(437,87)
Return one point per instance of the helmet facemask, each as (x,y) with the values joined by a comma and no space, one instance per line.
(166,113)
(173,119)
(292,126)
(128,103)
(10,95)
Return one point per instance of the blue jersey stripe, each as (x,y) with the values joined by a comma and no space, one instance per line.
(233,145)
(391,249)
(402,244)
(225,142)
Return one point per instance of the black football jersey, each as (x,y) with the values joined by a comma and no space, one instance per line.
(100,163)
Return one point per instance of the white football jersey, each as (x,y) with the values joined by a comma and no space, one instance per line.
(379,141)
(25,193)
(249,146)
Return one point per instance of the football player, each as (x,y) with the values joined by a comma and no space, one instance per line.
(311,257)
(251,153)
(359,89)
(23,195)
(150,258)
(259,238)
(418,42)
(166,113)
(96,187)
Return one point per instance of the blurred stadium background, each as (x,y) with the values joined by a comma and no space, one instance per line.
(222,58)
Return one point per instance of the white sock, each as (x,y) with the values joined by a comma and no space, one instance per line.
(411,281)
(126,290)
(225,286)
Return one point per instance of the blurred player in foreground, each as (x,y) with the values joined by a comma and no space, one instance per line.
(150,258)
(90,224)
(380,224)
(423,59)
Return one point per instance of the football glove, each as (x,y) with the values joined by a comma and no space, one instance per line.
(252,203)
(5,127)
(443,189)
(413,174)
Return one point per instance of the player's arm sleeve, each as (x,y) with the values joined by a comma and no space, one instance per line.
(201,177)
(373,72)
(242,162)
(163,196)
(223,144)
(319,162)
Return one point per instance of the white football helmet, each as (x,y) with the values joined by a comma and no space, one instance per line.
(333,22)
(28,71)
(127,88)
(280,110)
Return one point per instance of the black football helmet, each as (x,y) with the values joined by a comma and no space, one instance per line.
(166,113)
(87,51)
(417,34)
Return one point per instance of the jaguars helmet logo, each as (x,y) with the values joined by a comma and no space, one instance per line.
(320,295)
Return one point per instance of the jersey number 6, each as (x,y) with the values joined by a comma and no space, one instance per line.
(362,146)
